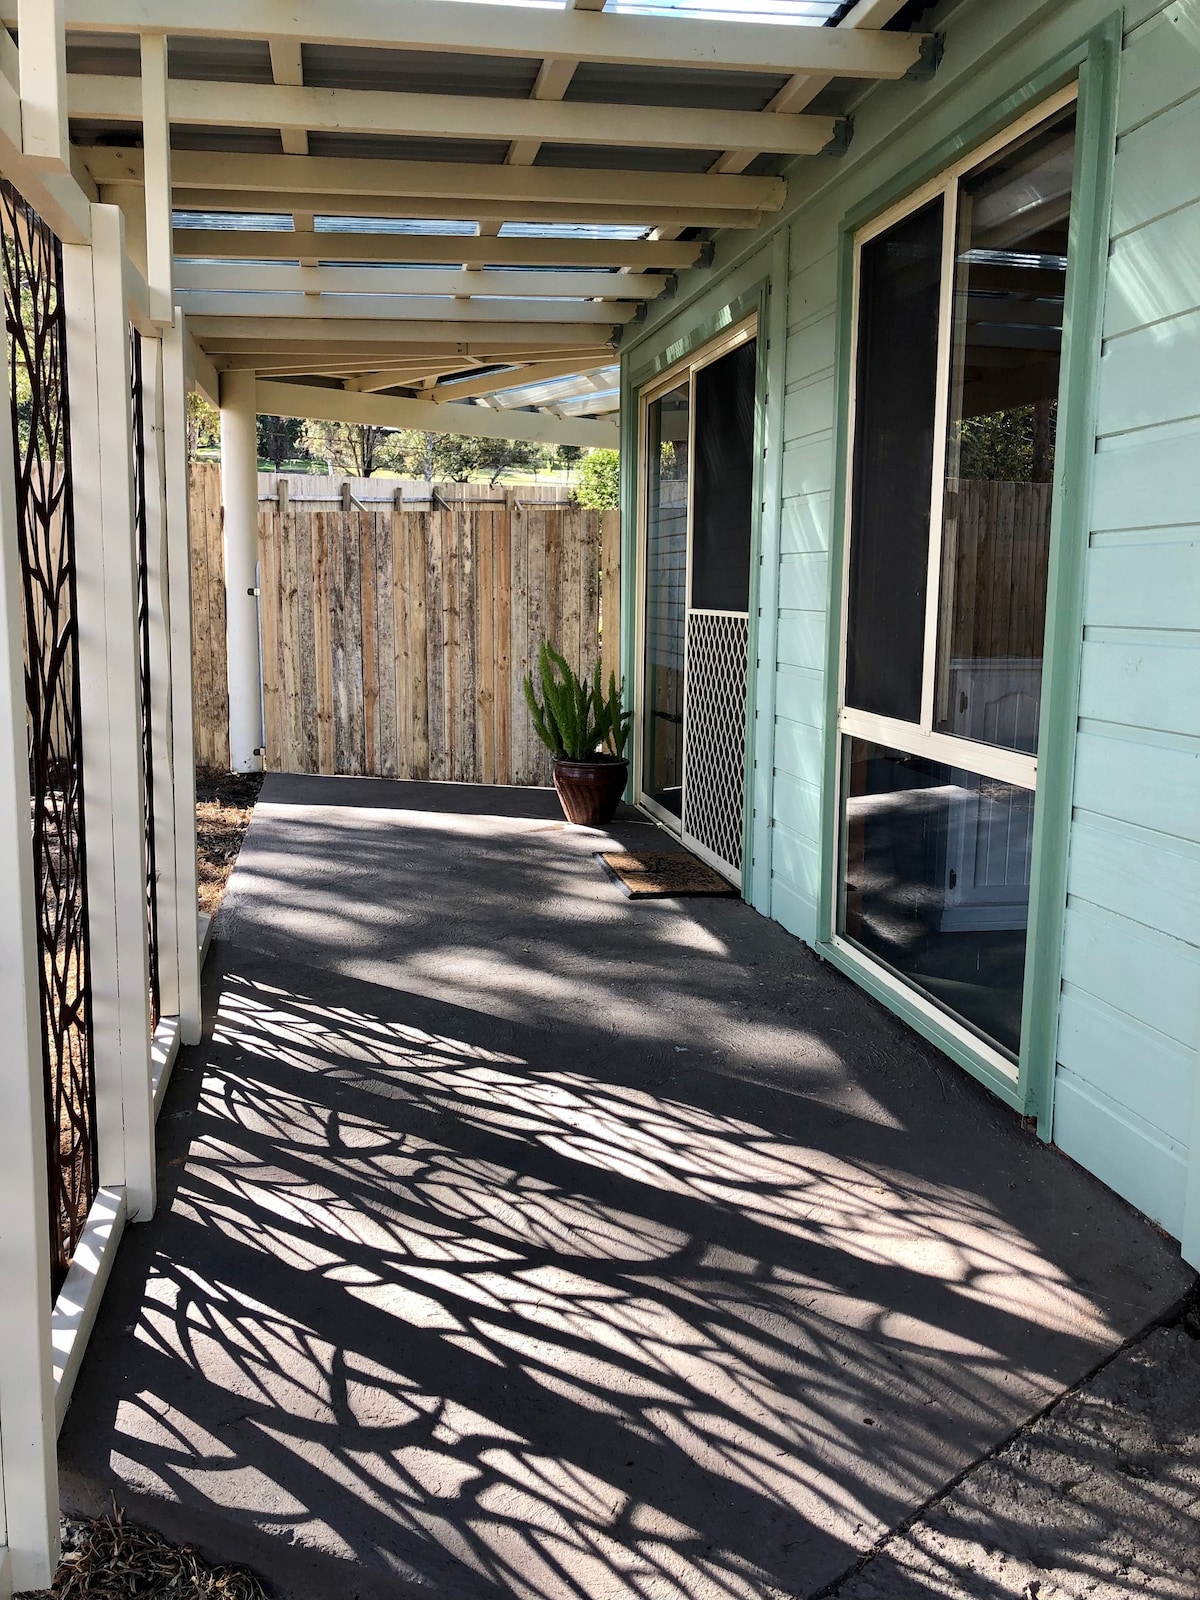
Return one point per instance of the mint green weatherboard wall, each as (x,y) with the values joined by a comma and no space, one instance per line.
(1134,907)
(1125,1092)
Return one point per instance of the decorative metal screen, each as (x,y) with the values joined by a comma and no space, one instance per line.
(36,323)
(143,617)
(715,719)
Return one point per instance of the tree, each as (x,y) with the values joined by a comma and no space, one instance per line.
(280,439)
(203,424)
(600,480)
(566,457)
(354,449)
(459,458)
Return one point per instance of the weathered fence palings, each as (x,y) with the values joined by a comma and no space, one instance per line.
(395,641)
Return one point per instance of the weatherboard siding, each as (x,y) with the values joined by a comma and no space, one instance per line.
(1127,1078)
(1129,1033)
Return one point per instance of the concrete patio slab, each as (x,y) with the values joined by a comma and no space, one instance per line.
(519,1239)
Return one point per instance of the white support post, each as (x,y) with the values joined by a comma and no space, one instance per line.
(156,166)
(179,610)
(239,497)
(28,1462)
(110,695)
(43,74)
(161,698)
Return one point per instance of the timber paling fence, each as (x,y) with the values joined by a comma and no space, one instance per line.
(396,633)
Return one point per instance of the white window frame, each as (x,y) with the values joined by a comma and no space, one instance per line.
(921,738)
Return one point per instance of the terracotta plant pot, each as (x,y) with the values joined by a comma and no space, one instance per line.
(590,791)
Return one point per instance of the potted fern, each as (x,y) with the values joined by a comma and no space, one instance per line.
(585,730)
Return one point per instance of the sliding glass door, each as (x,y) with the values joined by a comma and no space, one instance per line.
(696,501)
(958,347)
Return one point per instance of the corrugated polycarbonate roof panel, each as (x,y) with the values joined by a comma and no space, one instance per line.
(802,13)
(396,147)
(328,66)
(602,82)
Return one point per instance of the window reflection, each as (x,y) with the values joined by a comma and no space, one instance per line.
(936,882)
(1010,280)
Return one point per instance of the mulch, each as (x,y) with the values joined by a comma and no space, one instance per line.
(107,1558)
(224,805)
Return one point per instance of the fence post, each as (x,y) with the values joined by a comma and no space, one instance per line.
(110,695)
(28,1460)
(179,612)
(239,496)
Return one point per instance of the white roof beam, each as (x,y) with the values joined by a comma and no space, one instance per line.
(295,109)
(394,330)
(803,88)
(392,411)
(58,196)
(249,276)
(431,249)
(587,315)
(447,182)
(499,30)
(219,198)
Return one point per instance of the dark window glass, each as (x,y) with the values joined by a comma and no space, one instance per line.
(936,886)
(1010,278)
(899,290)
(667,433)
(724,481)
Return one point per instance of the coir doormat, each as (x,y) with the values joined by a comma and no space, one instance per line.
(661,875)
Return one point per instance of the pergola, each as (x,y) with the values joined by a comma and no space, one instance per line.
(425,214)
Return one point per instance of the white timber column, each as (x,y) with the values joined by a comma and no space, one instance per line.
(28,1459)
(239,500)
(110,697)
(161,689)
(179,613)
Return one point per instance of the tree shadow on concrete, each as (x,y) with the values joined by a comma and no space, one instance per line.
(527,1243)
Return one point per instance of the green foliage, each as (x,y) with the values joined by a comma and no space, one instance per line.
(280,439)
(1012,446)
(354,449)
(460,458)
(203,425)
(575,720)
(566,457)
(600,480)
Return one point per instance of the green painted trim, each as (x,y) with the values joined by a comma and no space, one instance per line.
(685,344)
(1095,60)
(866,976)
(1095,149)
(764,614)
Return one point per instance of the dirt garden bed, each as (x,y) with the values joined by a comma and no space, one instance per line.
(224,805)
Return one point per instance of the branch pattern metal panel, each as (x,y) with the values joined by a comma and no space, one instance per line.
(36,324)
(715,718)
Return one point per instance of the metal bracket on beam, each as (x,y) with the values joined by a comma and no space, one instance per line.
(642,311)
(933,46)
(707,251)
(671,287)
(843,132)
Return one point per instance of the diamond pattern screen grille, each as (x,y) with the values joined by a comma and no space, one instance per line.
(715,720)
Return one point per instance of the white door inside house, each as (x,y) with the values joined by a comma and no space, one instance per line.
(696,514)
(958,329)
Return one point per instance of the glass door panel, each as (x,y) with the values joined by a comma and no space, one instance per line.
(936,882)
(667,482)
(1010,283)
(900,275)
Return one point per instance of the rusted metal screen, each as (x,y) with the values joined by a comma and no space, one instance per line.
(36,323)
(141,536)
